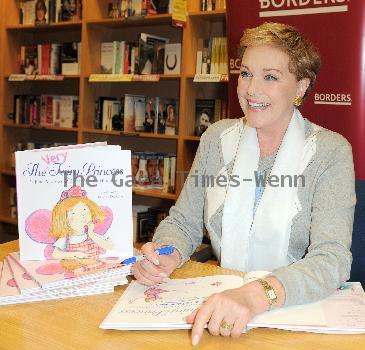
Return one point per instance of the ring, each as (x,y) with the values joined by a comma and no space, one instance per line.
(226,325)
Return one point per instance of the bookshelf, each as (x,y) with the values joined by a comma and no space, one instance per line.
(93,29)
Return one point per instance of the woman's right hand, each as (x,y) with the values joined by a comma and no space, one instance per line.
(155,268)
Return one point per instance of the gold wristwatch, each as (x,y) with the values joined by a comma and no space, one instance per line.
(270,293)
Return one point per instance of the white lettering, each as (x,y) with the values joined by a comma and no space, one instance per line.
(280,4)
(332,99)
(264,4)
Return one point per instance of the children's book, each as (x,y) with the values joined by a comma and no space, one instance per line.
(53,274)
(74,203)
(28,290)
(165,306)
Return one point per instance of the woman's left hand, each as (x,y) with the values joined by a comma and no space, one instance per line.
(228,313)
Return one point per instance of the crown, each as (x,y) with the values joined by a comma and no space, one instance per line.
(75,191)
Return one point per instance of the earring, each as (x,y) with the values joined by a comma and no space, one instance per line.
(298,101)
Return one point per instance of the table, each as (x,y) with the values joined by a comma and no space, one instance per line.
(73,324)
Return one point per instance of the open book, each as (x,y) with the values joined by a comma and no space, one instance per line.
(164,307)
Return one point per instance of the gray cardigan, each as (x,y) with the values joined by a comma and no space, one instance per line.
(319,246)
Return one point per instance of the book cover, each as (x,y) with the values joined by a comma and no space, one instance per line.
(41,12)
(142,180)
(70,10)
(158,58)
(68,198)
(172,116)
(69,58)
(29,12)
(150,115)
(147,44)
(204,114)
(66,111)
(172,59)
(158,6)
(129,113)
(107,58)
(139,113)
(30,64)
(155,169)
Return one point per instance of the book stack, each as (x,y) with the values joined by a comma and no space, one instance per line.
(28,281)
(137,113)
(42,12)
(212,56)
(46,110)
(52,59)
(212,5)
(152,170)
(70,239)
(149,54)
(125,8)
(207,112)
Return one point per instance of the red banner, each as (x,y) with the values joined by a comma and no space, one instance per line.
(337,28)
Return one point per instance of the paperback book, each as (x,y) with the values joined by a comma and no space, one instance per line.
(74,202)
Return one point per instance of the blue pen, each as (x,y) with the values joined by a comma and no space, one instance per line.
(166,250)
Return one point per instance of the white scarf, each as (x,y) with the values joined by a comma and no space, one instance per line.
(259,241)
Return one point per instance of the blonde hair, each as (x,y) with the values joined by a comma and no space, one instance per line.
(60,226)
(304,58)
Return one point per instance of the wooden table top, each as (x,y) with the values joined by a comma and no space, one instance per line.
(74,324)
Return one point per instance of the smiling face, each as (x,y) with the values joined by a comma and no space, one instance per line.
(79,216)
(266,88)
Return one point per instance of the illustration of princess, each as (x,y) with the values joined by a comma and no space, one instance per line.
(74,231)
(73,224)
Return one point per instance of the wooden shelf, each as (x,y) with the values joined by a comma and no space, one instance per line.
(71,25)
(192,138)
(7,172)
(131,134)
(131,21)
(92,30)
(209,15)
(7,220)
(26,126)
(155,193)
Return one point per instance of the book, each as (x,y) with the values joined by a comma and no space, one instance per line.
(148,44)
(139,113)
(17,286)
(70,10)
(129,113)
(67,198)
(70,58)
(172,116)
(172,59)
(107,57)
(164,307)
(150,115)
(204,115)
(158,6)
(29,59)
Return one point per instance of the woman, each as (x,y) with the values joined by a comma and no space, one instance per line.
(301,232)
